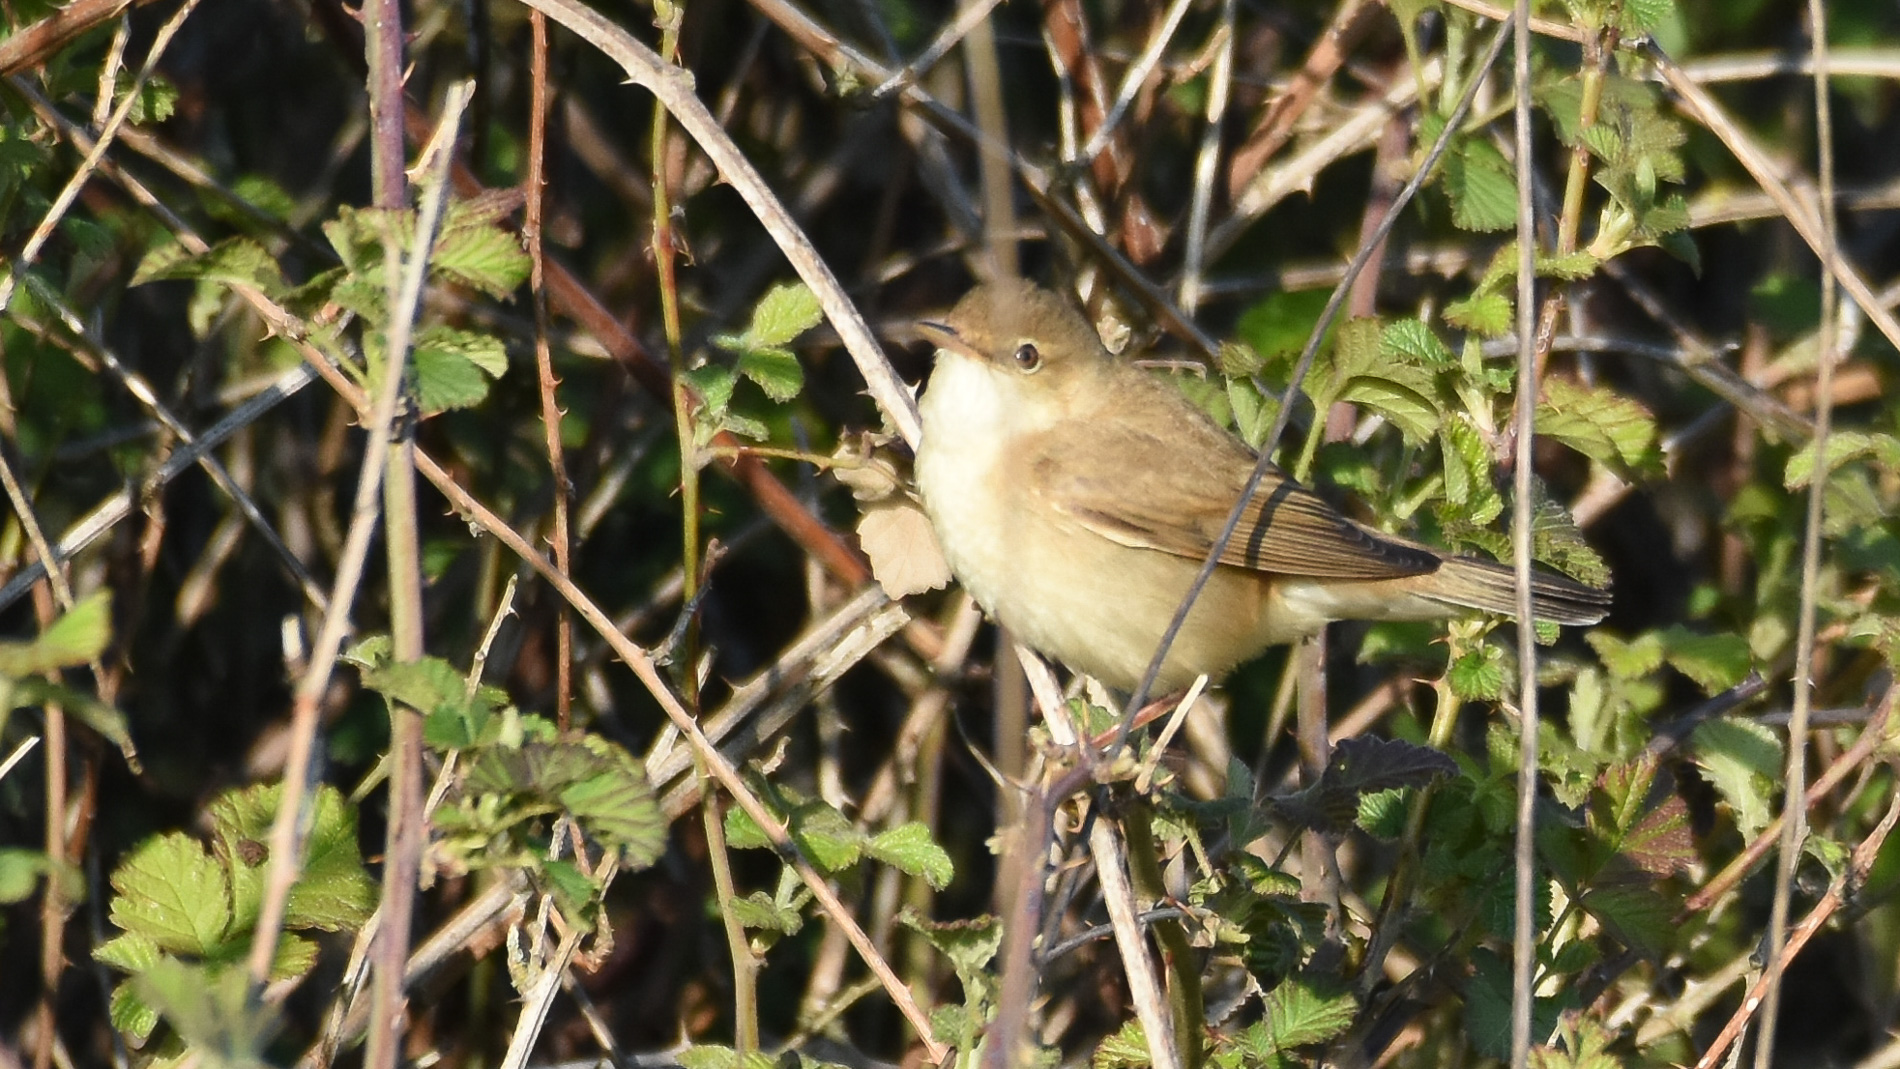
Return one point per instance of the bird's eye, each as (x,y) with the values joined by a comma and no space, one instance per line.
(1028,357)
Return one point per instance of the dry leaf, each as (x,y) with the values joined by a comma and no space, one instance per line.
(905,556)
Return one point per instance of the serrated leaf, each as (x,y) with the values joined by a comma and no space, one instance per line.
(1842,446)
(1628,659)
(1477,674)
(826,837)
(971,945)
(1467,468)
(911,849)
(447,379)
(1715,662)
(335,891)
(1743,761)
(759,912)
(1488,1007)
(744,426)
(714,386)
(130,1015)
(1583,1042)
(1625,903)
(129,952)
(617,807)
(425,685)
(1302,1012)
(1127,1048)
(744,833)
(1238,360)
(1382,814)
(776,371)
(1486,314)
(1479,182)
(1416,341)
(172,892)
(1405,407)
(481,256)
(709,1056)
(1361,766)
(1253,411)
(786,311)
(239,261)
(1599,423)
(211,1009)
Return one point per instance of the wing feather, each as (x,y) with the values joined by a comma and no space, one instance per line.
(1287,529)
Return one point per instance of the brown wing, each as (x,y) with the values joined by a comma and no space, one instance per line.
(1176,498)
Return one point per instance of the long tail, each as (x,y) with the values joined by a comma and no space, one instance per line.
(1492,587)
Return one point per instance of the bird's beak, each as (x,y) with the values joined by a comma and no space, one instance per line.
(945,337)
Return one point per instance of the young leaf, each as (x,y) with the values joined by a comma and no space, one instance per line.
(1743,761)
(75,638)
(1599,423)
(173,893)
(1482,188)
(910,848)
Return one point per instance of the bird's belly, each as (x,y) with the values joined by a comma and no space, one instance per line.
(1095,605)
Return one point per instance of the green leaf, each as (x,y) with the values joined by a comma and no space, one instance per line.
(75,638)
(1415,341)
(1361,766)
(1303,1011)
(1488,1007)
(234,261)
(1487,314)
(211,1009)
(744,833)
(786,311)
(1477,674)
(172,892)
(617,807)
(1126,1049)
(708,1056)
(20,871)
(1403,405)
(1382,814)
(471,250)
(335,892)
(775,370)
(1644,16)
(1743,761)
(1715,662)
(1483,191)
(971,945)
(453,367)
(1625,902)
(1253,411)
(826,837)
(1599,423)
(1629,659)
(759,912)
(130,1014)
(128,952)
(1467,468)
(1583,1043)
(714,386)
(1842,446)
(910,848)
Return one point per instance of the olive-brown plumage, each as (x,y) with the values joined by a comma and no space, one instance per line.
(1076,496)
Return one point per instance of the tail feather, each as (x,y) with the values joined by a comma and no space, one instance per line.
(1492,587)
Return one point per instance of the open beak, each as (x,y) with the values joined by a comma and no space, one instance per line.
(944,337)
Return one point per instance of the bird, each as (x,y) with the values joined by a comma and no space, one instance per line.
(1076,495)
